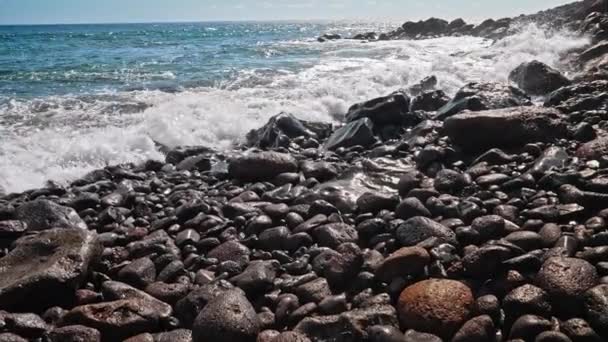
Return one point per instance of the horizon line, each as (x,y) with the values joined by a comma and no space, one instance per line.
(202,21)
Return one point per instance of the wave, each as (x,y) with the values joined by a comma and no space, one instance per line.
(63,137)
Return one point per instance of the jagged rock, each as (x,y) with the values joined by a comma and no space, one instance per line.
(505,127)
(54,261)
(328,36)
(351,325)
(227,318)
(429,101)
(44,214)
(178,154)
(597,50)
(355,133)
(427,84)
(537,78)
(580,96)
(119,319)
(483,96)
(261,166)
(282,128)
(384,110)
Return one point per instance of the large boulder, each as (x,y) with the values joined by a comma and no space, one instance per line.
(44,214)
(596,25)
(384,110)
(505,127)
(580,97)
(227,318)
(360,132)
(282,128)
(594,149)
(438,306)
(45,269)
(261,166)
(537,78)
(566,280)
(483,96)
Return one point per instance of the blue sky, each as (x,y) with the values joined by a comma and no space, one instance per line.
(95,11)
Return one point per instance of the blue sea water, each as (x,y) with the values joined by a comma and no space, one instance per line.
(78,97)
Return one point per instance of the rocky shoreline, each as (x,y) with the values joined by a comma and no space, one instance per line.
(481,217)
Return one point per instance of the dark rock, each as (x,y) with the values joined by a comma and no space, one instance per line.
(594,149)
(356,133)
(596,307)
(257,277)
(334,234)
(291,336)
(228,317)
(187,309)
(139,273)
(384,333)
(483,96)
(580,96)
(418,229)
(404,262)
(176,155)
(387,110)
(436,306)
(552,158)
(552,336)
(54,261)
(537,78)
(527,327)
(180,335)
(328,36)
(411,207)
(314,291)
(425,85)
(75,333)
(566,280)
(44,214)
(527,299)
(195,163)
(121,318)
(261,166)
(430,101)
(12,229)
(451,181)
(282,128)
(480,328)
(505,127)
(230,251)
(321,171)
(373,202)
(351,325)
(416,336)
(577,329)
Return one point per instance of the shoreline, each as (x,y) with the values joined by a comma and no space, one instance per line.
(358,231)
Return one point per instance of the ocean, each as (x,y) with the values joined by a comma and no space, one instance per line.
(74,98)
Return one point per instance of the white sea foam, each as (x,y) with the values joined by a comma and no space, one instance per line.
(61,138)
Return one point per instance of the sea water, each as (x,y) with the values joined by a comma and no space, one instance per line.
(78,97)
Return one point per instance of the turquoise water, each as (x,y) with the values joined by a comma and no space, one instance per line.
(78,97)
(70,59)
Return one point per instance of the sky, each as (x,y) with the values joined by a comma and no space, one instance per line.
(120,11)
